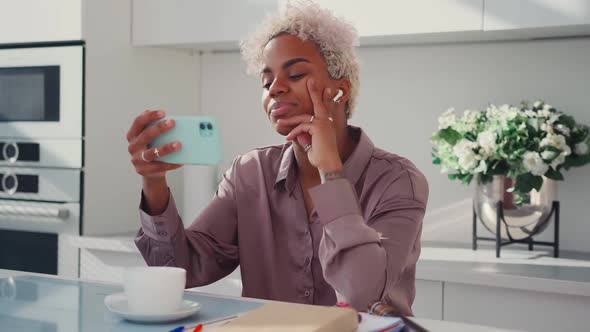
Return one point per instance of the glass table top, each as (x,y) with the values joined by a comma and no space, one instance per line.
(33,303)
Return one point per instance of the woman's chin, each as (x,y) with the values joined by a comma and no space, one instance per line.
(282,130)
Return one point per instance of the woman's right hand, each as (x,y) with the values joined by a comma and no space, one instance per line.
(139,136)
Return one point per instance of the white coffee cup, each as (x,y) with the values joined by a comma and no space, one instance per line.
(154,289)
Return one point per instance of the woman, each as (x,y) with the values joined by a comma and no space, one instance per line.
(326,216)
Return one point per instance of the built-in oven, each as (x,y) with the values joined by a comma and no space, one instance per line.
(41,155)
(41,91)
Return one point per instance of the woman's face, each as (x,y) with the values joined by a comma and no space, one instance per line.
(289,63)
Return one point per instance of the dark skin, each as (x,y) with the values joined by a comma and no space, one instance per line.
(295,75)
(296,86)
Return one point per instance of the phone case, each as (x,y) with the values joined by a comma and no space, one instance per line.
(199,135)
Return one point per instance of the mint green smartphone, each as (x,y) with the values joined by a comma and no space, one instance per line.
(200,139)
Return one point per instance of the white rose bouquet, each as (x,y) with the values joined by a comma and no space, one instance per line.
(523,143)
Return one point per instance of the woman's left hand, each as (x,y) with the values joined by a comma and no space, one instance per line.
(323,153)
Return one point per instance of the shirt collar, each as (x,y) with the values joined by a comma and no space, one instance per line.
(286,174)
(354,166)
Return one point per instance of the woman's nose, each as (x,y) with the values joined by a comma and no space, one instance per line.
(278,87)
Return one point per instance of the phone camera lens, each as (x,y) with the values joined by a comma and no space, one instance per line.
(202,126)
(209,126)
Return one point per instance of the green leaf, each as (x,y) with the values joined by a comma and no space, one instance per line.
(576,161)
(551,148)
(450,135)
(466,178)
(452,176)
(567,120)
(486,178)
(526,183)
(554,175)
(436,161)
(499,167)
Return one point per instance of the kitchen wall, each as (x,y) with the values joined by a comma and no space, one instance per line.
(121,82)
(404,89)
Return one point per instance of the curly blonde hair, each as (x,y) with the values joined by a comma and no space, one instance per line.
(335,37)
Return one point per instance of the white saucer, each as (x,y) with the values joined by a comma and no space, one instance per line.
(117,304)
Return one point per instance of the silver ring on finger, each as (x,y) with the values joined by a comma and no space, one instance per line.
(307,147)
(143,156)
(157,153)
(311,119)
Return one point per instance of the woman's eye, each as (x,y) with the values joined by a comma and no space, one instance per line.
(296,77)
(291,77)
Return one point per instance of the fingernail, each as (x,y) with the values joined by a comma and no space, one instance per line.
(175,145)
(329,92)
(169,123)
(160,114)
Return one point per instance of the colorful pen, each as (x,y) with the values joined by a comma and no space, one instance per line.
(199,327)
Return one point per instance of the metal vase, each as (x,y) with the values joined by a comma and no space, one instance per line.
(521,221)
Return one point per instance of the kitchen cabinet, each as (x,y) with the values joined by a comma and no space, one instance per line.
(390,18)
(25,21)
(211,25)
(515,309)
(200,24)
(511,15)
(429,299)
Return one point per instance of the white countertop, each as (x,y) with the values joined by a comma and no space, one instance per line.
(517,268)
(120,243)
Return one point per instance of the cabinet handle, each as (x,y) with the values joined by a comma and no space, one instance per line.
(29,211)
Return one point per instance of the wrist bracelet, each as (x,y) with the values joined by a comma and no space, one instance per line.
(331,176)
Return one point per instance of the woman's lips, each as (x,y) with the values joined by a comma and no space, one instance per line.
(280,111)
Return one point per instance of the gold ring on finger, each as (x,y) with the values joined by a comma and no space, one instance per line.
(157,153)
(143,156)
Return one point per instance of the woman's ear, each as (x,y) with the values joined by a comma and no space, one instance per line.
(343,92)
(339,95)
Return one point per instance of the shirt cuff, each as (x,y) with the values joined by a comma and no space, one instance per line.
(334,199)
(162,227)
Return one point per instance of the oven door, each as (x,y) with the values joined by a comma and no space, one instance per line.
(37,236)
(39,214)
(41,92)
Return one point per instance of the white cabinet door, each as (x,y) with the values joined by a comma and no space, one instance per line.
(222,23)
(510,14)
(515,309)
(200,23)
(25,21)
(429,299)
(386,17)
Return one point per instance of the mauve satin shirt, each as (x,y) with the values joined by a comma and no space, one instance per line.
(359,246)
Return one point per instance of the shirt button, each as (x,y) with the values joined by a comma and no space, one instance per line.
(162,233)
(307,293)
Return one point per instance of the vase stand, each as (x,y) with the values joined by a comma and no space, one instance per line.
(530,241)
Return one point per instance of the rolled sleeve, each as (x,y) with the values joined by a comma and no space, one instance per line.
(162,227)
(334,199)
